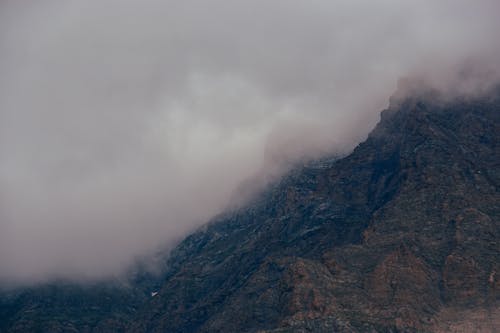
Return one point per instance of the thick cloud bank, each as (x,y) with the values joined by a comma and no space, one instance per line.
(124,124)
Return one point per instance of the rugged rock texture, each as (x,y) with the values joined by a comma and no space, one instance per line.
(399,236)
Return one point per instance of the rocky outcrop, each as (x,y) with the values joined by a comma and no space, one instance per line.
(399,236)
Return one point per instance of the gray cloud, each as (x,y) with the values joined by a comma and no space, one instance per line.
(126,124)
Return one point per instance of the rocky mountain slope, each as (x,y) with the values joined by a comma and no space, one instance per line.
(399,236)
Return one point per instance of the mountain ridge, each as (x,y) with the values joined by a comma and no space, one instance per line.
(398,236)
(398,160)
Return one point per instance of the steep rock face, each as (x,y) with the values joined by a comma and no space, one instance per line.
(397,236)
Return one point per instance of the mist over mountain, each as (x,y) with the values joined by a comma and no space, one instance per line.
(401,235)
(125,125)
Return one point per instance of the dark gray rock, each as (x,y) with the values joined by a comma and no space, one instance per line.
(399,236)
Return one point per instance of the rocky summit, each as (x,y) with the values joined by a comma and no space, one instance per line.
(402,235)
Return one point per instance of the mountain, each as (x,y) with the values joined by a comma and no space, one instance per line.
(399,236)
(65,306)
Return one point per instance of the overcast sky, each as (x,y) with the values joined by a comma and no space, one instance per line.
(124,124)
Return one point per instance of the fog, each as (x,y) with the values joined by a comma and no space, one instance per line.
(126,124)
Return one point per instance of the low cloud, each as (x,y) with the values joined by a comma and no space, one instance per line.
(126,124)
